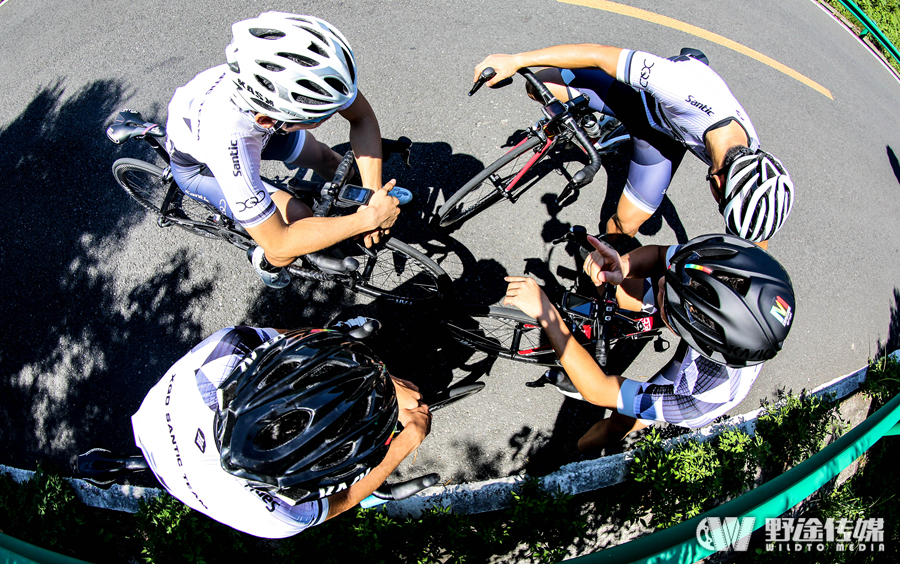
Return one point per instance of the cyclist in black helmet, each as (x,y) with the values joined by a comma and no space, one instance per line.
(729,300)
(272,432)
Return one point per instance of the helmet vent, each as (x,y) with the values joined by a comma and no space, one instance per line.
(310,85)
(737,283)
(270,66)
(318,35)
(321,373)
(265,82)
(299,59)
(282,430)
(276,375)
(357,415)
(334,458)
(314,47)
(716,252)
(266,33)
(698,316)
(350,66)
(337,85)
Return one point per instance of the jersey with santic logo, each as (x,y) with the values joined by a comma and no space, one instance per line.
(174,428)
(688,98)
(206,127)
(690,390)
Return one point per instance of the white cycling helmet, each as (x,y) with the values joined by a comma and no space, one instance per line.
(758,198)
(291,68)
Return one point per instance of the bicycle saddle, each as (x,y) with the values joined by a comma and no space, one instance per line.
(129,125)
(101,467)
(691,53)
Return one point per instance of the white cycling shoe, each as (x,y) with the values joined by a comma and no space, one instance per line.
(278,279)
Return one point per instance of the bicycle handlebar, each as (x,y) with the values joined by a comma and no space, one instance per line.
(585,175)
(344,172)
(578,234)
(403,490)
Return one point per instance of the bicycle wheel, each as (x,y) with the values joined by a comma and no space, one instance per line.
(503,332)
(484,188)
(397,272)
(148,185)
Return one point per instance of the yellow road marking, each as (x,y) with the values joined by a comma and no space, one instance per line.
(699,32)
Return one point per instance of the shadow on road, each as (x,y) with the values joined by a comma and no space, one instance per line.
(79,350)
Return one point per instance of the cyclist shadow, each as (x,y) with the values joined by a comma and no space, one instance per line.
(84,339)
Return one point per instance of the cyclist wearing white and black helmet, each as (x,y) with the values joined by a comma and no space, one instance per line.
(285,75)
(729,300)
(273,433)
(669,106)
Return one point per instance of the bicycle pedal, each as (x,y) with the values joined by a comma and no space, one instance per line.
(539,383)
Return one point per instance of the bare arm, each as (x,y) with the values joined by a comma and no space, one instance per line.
(283,242)
(365,138)
(416,425)
(591,381)
(583,56)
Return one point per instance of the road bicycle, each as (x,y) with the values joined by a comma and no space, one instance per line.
(391,270)
(597,324)
(103,468)
(511,175)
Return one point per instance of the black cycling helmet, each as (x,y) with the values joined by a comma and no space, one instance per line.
(729,299)
(306,414)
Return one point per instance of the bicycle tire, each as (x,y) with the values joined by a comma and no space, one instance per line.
(493,329)
(480,192)
(148,185)
(397,272)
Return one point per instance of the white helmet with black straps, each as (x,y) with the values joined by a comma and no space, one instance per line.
(758,197)
(290,67)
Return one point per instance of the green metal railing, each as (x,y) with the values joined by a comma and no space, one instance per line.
(871,27)
(15,551)
(772,499)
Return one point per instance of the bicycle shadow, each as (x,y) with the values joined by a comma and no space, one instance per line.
(84,341)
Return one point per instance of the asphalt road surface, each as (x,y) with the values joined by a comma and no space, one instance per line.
(99,302)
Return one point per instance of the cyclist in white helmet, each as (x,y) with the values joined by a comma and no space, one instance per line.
(285,75)
(669,106)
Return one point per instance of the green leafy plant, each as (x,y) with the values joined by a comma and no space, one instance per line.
(794,429)
(173,532)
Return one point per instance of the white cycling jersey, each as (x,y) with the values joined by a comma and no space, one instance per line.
(690,390)
(174,428)
(688,98)
(205,126)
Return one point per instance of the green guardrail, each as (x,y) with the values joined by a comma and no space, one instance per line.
(772,499)
(15,551)
(871,27)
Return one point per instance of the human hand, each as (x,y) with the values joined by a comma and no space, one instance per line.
(504,65)
(525,294)
(603,265)
(383,210)
(408,396)
(416,423)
